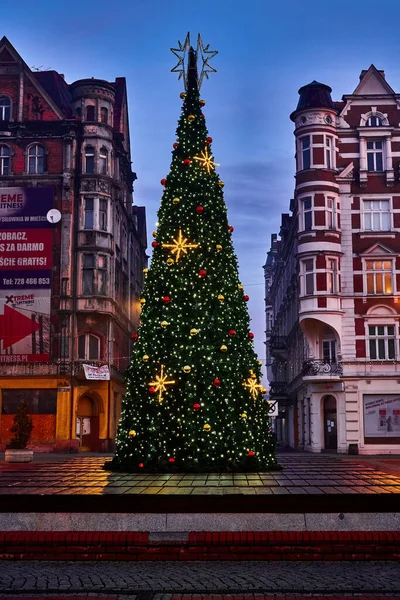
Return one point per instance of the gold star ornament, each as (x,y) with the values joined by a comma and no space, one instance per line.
(179,246)
(207,160)
(160,383)
(253,386)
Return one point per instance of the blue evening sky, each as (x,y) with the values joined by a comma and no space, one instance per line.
(267,50)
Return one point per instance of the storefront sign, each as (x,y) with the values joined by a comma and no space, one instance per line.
(382,416)
(99,373)
(26,249)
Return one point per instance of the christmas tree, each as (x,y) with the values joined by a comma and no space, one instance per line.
(194,400)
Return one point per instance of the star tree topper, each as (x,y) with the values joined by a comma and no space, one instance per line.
(182,53)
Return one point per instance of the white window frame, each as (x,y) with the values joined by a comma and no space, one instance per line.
(379,274)
(376,211)
(374,152)
(331,344)
(5,160)
(332,275)
(97,213)
(37,153)
(329,153)
(305,211)
(5,108)
(307,275)
(331,213)
(88,337)
(368,122)
(306,150)
(103,161)
(376,337)
(99,270)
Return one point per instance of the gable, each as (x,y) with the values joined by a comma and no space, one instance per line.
(5,56)
(373,83)
(379,250)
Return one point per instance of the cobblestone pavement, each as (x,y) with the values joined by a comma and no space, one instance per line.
(196,578)
(302,474)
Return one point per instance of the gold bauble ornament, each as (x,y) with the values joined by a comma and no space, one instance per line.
(240,287)
(263,390)
(154,234)
(170,261)
(223,348)
(221,184)
(218,247)
(187,369)
(145,271)
(142,301)
(260,362)
(206,427)
(221,298)
(176,200)
(164,324)
(244,416)
(145,358)
(202,102)
(132,433)
(182,95)
(194,331)
(191,118)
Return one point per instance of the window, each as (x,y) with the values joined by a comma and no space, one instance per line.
(104,114)
(5,160)
(40,401)
(308,214)
(305,152)
(376,215)
(375,156)
(5,109)
(89,159)
(331,213)
(89,213)
(88,274)
(36,156)
(308,276)
(103,214)
(332,275)
(78,111)
(382,342)
(88,347)
(329,351)
(90,113)
(103,161)
(379,277)
(373,121)
(102,275)
(328,152)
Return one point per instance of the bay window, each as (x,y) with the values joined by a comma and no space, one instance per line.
(308,276)
(305,152)
(332,275)
(95,271)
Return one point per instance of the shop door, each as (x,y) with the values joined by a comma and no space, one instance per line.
(330,423)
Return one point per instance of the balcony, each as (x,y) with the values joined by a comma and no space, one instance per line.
(278,389)
(278,347)
(321,370)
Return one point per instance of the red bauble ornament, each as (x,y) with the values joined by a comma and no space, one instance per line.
(231,333)
(175,144)
(166,299)
(251,335)
(134,337)
(202,114)
(196,407)
(246,298)
(141,465)
(163,181)
(231,229)
(250,453)
(171,459)
(154,244)
(199,210)
(209,140)
(187,162)
(202,273)
(216,382)
(152,390)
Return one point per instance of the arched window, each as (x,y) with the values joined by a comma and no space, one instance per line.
(373,121)
(89,159)
(36,156)
(90,113)
(5,108)
(103,161)
(89,347)
(5,160)
(104,114)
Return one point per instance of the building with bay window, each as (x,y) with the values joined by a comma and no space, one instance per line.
(72,254)
(332,275)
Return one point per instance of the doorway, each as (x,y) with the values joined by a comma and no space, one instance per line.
(330,423)
(87,425)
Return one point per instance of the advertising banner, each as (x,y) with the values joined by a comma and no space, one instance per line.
(382,416)
(98,373)
(25,274)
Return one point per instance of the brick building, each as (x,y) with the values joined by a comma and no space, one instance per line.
(333,276)
(70,278)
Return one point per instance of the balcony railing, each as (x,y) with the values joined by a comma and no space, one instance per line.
(315,367)
(278,346)
(278,388)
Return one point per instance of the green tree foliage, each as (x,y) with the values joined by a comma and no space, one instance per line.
(22,427)
(209,413)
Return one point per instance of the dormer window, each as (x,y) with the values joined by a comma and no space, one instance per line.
(373,121)
(5,108)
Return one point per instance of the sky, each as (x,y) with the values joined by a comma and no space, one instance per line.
(267,51)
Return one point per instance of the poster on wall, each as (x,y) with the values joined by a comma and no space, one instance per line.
(382,415)
(25,274)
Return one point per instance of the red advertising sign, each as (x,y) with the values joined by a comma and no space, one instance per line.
(25,274)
